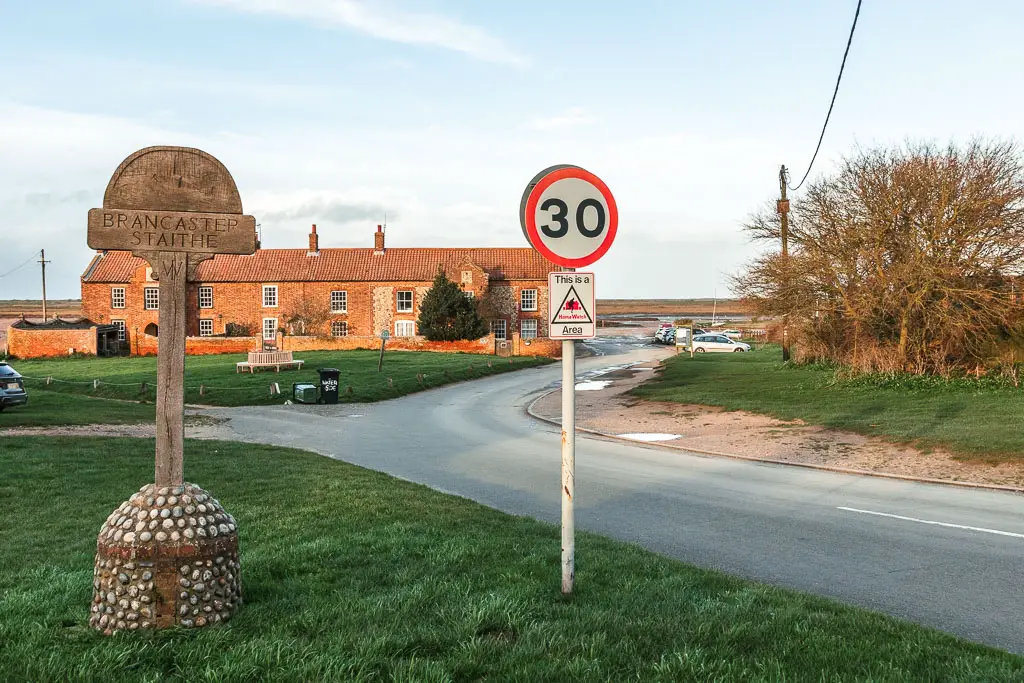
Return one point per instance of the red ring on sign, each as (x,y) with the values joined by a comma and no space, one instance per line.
(531,219)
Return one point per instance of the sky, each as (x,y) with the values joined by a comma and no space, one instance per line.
(438,112)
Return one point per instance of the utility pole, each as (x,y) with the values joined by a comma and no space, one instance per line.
(783,209)
(43,262)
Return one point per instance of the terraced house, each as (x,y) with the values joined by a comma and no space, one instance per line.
(324,298)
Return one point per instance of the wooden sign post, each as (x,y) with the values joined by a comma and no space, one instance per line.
(169,555)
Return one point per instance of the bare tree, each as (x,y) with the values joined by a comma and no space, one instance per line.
(308,316)
(906,259)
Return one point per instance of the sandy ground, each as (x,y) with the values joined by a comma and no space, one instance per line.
(610,410)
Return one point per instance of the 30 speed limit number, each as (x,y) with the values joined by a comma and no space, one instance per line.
(569,215)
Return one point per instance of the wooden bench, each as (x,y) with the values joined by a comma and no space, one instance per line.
(268,359)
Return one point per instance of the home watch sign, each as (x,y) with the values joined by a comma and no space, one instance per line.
(169,554)
(571,305)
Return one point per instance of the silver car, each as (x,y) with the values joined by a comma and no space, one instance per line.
(12,387)
(719,343)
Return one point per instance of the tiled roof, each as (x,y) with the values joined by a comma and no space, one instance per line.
(57,324)
(341,265)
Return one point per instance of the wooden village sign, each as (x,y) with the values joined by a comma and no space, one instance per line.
(169,555)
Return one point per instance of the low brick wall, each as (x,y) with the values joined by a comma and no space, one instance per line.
(296,343)
(541,346)
(537,347)
(50,343)
(146,345)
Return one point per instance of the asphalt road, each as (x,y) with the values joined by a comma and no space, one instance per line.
(947,557)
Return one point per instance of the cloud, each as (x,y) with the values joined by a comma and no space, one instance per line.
(381,21)
(570,118)
(330,211)
(47,199)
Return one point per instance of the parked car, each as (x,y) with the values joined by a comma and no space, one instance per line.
(718,342)
(732,334)
(665,335)
(12,387)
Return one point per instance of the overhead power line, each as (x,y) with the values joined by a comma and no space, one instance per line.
(833,103)
(16,269)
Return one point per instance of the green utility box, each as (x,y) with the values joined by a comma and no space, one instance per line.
(304,393)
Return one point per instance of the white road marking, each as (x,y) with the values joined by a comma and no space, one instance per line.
(928,521)
(650,436)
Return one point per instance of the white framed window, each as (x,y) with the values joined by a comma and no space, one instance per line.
(206,327)
(117,297)
(151,298)
(269,329)
(122,329)
(405,328)
(206,297)
(467,277)
(403,302)
(528,300)
(339,302)
(269,296)
(528,329)
(498,329)
(469,295)
(339,328)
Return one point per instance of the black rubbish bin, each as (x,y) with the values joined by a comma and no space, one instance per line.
(329,385)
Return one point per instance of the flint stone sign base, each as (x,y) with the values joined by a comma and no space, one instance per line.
(168,556)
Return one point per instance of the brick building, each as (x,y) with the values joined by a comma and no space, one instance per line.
(362,292)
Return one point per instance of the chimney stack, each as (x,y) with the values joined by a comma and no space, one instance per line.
(378,241)
(314,242)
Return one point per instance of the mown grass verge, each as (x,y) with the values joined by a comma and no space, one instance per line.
(976,419)
(352,575)
(52,408)
(122,378)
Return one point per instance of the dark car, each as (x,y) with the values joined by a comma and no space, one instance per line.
(12,387)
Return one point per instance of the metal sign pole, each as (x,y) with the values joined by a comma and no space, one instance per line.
(568,464)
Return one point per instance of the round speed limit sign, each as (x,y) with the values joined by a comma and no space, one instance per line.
(569,216)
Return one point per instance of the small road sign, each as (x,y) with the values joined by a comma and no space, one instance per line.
(569,216)
(571,305)
(384,334)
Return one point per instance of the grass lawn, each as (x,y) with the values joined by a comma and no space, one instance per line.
(223,387)
(352,575)
(52,408)
(975,419)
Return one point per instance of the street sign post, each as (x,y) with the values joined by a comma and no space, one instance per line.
(384,336)
(570,217)
(173,207)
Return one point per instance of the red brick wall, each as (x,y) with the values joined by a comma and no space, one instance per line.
(49,343)
(541,346)
(145,345)
(296,343)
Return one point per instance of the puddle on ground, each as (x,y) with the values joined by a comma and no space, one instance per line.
(593,385)
(650,437)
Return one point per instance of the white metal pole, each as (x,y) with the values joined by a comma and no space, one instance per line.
(568,464)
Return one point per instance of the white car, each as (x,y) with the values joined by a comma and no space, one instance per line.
(718,342)
(732,334)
